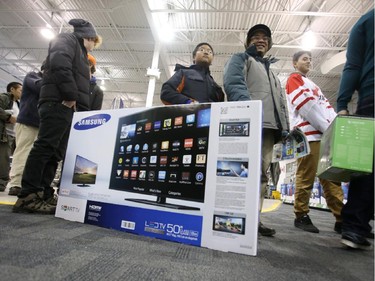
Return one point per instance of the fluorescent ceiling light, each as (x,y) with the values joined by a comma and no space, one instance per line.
(166,33)
(48,32)
(308,40)
(161,20)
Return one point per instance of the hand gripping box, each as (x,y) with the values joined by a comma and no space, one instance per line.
(347,148)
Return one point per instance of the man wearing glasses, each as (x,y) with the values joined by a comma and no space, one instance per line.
(65,89)
(247,76)
(193,84)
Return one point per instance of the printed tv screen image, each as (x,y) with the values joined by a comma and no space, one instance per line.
(225,168)
(84,171)
(235,225)
(163,152)
(127,131)
(234,129)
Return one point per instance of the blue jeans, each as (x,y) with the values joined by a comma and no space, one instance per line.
(49,148)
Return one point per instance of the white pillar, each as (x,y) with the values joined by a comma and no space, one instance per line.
(154,74)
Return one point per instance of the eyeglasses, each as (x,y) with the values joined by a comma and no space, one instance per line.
(203,50)
(259,37)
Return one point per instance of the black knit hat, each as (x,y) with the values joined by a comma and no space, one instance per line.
(201,44)
(259,27)
(83,28)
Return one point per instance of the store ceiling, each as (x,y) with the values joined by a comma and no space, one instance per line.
(130,37)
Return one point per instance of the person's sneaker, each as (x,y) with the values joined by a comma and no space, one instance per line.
(14,190)
(338,227)
(52,200)
(355,241)
(305,224)
(2,187)
(33,204)
(265,231)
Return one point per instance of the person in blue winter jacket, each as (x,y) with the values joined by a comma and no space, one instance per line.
(26,128)
(193,84)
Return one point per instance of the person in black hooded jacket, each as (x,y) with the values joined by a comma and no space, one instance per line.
(65,89)
(193,84)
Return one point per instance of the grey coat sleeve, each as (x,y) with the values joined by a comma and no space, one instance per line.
(234,78)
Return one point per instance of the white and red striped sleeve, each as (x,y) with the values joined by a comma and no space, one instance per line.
(306,101)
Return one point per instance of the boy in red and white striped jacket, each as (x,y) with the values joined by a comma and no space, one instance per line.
(312,113)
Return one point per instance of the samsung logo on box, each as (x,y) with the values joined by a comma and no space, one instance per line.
(92,122)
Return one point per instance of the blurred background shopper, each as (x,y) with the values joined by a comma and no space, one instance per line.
(96,94)
(27,127)
(9,108)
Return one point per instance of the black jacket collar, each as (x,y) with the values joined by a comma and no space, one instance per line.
(193,66)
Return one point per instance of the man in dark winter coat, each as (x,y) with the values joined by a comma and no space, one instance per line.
(27,128)
(193,84)
(65,88)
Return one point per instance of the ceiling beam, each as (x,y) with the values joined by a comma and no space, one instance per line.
(234,44)
(5,77)
(271,12)
(184,29)
(257,12)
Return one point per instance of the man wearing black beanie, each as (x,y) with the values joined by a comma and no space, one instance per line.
(193,84)
(65,89)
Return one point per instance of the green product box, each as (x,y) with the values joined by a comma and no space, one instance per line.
(347,148)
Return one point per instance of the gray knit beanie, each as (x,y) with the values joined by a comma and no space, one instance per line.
(83,28)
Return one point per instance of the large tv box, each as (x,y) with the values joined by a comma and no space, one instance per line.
(347,148)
